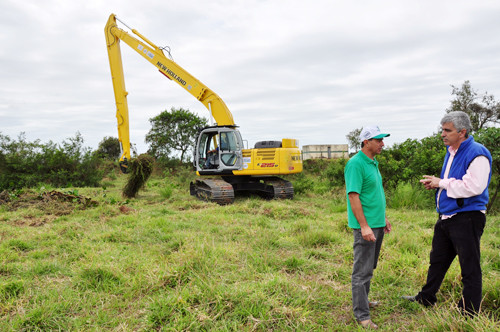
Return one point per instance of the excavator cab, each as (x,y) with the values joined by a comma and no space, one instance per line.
(218,151)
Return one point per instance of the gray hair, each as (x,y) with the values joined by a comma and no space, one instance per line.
(460,121)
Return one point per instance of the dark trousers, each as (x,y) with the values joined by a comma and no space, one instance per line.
(459,235)
(365,261)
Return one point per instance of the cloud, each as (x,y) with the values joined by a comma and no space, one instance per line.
(312,71)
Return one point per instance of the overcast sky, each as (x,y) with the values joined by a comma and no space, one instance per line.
(311,70)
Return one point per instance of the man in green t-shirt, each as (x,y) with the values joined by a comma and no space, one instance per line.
(366,216)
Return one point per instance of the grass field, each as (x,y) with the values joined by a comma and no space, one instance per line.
(168,262)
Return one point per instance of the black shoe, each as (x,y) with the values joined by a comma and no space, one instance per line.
(418,300)
(409,298)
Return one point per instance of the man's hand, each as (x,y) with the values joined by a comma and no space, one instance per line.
(367,234)
(357,209)
(430,182)
(388,227)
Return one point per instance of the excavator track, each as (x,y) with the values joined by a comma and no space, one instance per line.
(281,189)
(213,190)
(221,191)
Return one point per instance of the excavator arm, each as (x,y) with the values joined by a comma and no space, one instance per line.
(167,67)
(219,153)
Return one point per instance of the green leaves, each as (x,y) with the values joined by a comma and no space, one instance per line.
(408,161)
(27,164)
(172,131)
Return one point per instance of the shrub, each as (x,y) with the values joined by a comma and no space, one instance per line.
(409,196)
(27,164)
(109,148)
(319,176)
(315,166)
(302,183)
(408,161)
(335,172)
(490,137)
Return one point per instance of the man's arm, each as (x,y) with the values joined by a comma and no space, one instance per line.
(472,183)
(357,210)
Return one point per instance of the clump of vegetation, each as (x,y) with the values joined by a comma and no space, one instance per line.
(140,170)
(25,164)
(11,290)
(408,195)
(320,176)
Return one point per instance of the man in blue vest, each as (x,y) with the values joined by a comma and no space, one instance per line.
(461,199)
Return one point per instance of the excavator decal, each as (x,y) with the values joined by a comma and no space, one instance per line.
(268,165)
(171,73)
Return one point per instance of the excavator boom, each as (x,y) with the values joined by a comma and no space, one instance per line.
(166,66)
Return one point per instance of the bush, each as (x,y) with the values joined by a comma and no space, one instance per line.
(335,172)
(320,176)
(302,183)
(27,164)
(315,166)
(409,196)
(109,148)
(490,137)
(408,161)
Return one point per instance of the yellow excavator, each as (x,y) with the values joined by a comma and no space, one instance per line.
(222,162)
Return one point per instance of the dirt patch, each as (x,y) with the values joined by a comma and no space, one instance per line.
(33,221)
(53,203)
(4,197)
(125,209)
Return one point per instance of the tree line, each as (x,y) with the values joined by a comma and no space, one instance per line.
(172,133)
(25,164)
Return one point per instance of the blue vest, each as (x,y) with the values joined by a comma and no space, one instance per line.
(467,152)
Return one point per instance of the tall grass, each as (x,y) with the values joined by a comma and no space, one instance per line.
(170,262)
(410,196)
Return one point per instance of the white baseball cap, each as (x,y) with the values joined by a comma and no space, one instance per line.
(370,132)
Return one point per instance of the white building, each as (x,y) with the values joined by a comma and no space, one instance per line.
(325,151)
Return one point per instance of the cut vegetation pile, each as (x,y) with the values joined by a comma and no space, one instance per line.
(53,201)
(140,170)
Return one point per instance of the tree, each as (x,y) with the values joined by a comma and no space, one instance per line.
(482,109)
(408,161)
(490,137)
(173,130)
(353,139)
(109,148)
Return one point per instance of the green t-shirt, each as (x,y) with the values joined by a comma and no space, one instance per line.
(363,177)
